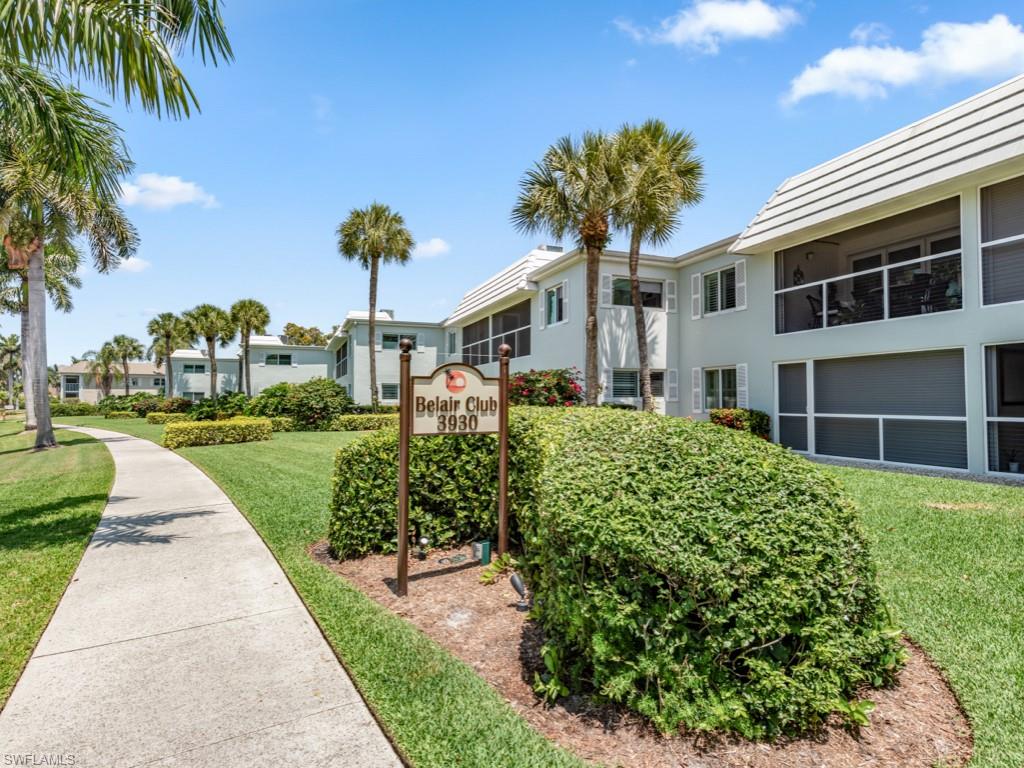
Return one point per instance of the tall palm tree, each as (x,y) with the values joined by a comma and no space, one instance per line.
(250,316)
(127,348)
(168,332)
(372,236)
(214,326)
(61,274)
(573,191)
(663,175)
(10,362)
(103,367)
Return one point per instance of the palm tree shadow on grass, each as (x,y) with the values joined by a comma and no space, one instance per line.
(30,449)
(50,524)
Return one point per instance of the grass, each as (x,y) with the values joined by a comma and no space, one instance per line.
(135,427)
(954,578)
(51,504)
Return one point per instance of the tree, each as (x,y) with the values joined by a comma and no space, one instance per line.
(103,367)
(213,325)
(250,316)
(10,363)
(663,174)
(168,332)
(573,191)
(371,236)
(311,336)
(127,348)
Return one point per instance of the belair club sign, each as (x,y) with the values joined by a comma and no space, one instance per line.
(455,399)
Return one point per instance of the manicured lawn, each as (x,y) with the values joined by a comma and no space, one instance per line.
(51,503)
(955,580)
(137,427)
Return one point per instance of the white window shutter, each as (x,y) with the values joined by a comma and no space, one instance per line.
(543,307)
(672,385)
(741,284)
(419,342)
(607,384)
(695,296)
(742,388)
(697,406)
(670,295)
(565,301)
(378,341)
(606,290)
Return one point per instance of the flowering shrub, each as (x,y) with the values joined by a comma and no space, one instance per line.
(551,387)
(743,419)
(175,405)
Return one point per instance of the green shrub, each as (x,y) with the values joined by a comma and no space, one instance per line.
(744,419)
(551,387)
(360,408)
(70,408)
(146,404)
(282,424)
(159,417)
(701,578)
(121,415)
(241,429)
(226,406)
(358,422)
(123,402)
(270,402)
(312,405)
(176,405)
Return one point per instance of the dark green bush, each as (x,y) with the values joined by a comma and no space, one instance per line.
(122,402)
(744,419)
(146,404)
(312,405)
(70,408)
(271,401)
(358,408)
(359,422)
(175,405)
(550,387)
(226,406)
(701,578)
(241,429)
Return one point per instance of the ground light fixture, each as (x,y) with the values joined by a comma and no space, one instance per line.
(517,584)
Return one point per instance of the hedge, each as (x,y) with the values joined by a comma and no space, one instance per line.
(121,415)
(700,578)
(160,417)
(359,422)
(282,423)
(243,429)
(743,419)
(72,408)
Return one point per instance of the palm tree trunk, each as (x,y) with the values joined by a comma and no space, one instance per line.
(245,364)
(124,368)
(211,351)
(26,371)
(10,387)
(37,342)
(169,387)
(641,321)
(591,379)
(374,264)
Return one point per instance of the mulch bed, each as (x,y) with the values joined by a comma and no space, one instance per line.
(917,723)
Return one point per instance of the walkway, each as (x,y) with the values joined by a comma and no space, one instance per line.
(180,642)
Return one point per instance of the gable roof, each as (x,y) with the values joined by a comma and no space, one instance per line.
(506,283)
(139,368)
(980,131)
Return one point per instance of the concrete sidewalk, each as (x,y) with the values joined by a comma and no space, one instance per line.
(180,642)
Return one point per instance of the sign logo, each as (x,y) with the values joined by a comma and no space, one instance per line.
(454,381)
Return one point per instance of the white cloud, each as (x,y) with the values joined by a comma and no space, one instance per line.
(949,51)
(428,249)
(706,24)
(156,192)
(134,264)
(870,32)
(323,113)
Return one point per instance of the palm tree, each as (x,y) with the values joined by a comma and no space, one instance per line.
(61,268)
(214,326)
(573,191)
(10,362)
(663,174)
(372,236)
(127,348)
(103,367)
(168,332)
(249,316)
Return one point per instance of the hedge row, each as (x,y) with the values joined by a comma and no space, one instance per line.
(120,415)
(159,417)
(359,422)
(72,408)
(282,423)
(700,578)
(242,429)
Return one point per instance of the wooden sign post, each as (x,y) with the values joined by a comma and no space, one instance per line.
(455,399)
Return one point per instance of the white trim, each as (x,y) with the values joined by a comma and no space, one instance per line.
(544,320)
(695,297)
(697,390)
(740,285)
(669,298)
(721,291)
(664,292)
(606,289)
(672,385)
(742,386)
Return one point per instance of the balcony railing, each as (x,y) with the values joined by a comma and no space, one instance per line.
(915,287)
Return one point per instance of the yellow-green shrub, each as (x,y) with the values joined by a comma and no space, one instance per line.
(361,422)
(121,415)
(282,423)
(159,417)
(181,434)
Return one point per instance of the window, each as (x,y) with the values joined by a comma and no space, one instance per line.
(71,384)
(719,388)
(276,358)
(1002,242)
(480,340)
(390,340)
(195,397)
(1004,412)
(626,384)
(389,391)
(651,293)
(719,290)
(341,360)
(134,381)
(554,305)
(159,381)
(451,348)
(194,368)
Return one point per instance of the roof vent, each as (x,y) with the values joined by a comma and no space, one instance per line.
(550,248)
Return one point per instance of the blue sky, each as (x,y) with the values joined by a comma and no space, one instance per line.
(438,108)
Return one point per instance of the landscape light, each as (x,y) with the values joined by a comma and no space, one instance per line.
(520,588)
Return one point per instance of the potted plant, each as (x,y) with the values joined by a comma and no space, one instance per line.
(1011,459)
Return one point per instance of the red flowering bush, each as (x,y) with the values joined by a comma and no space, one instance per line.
(551,387)
(743,419)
